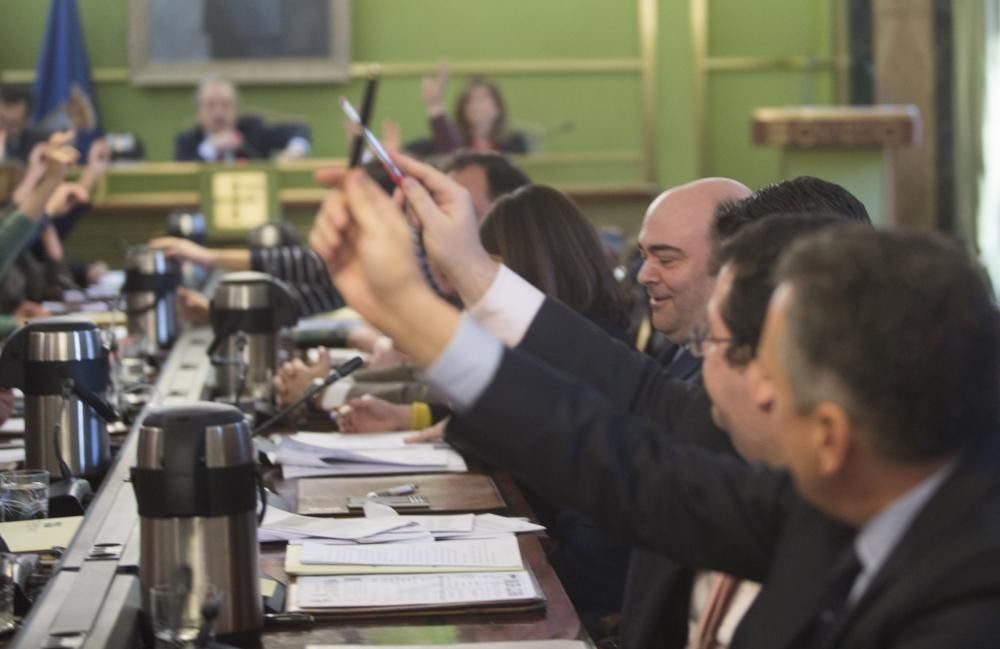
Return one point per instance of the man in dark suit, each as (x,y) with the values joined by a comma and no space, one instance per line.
(222,135)
(679,233)
(889,432)
(17,136)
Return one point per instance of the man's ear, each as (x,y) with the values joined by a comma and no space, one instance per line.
(761,388)
(832,437)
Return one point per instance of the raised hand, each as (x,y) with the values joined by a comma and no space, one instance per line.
(363,238)
(58,154)
(366,245)
(65,198)
(432,90)
(444,211)
(99,156)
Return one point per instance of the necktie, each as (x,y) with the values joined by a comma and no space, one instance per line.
(833,605)
(716,607)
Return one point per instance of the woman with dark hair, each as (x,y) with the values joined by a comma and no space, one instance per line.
(540,234)
(480,117)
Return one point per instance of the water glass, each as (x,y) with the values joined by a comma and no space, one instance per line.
(7,563)
(176,613)
(24,494)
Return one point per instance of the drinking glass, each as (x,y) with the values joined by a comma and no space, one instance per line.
(24,494)
(176,613)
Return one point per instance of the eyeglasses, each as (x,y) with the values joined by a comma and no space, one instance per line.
(700,343)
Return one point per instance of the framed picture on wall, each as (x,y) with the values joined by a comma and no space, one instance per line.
(175,42)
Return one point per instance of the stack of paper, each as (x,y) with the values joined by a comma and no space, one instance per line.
(322,454)
(108,286)
(457,526)
(388,592)
(280,525)
(515,644)
(482,555)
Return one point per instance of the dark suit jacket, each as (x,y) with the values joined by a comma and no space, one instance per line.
(668,392)
(19,148)
(260,140)
(939,588)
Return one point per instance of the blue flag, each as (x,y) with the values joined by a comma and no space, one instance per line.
(63,96)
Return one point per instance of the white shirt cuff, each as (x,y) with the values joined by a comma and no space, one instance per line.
(299,145)
(335,395)
(207,151)
(508,307)
(465,369)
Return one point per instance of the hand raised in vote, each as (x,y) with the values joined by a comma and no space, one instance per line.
(58,154)
(363,238)
(99,157)
(65,198)
(444,212)
(443,209)
(432,90)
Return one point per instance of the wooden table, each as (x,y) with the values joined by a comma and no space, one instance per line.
(558,620)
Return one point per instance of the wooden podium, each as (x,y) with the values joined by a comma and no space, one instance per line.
(853,146)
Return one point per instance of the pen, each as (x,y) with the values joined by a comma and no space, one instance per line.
(401,490)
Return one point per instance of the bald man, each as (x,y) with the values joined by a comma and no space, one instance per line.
(675,244)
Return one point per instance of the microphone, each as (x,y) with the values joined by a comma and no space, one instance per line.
(332,377)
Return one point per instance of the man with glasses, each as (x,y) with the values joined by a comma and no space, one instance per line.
(883,533)
(658,596)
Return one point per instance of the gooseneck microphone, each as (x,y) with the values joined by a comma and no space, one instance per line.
(334,376)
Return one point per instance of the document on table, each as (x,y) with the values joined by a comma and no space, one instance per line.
(280,525)
(499,553)
(414,590)
(39,535)
(13,426)
(11,455)
(458,526)
(317,558)
(347,442)
(514,644)
(333,455)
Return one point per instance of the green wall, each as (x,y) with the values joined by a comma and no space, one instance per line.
(591,112)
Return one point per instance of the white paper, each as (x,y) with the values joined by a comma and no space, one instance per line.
(13,426)
(460,525)
(348,529)
(355,441)
(454,464)
(297,453)
(513,644)
(413,590)
(11,455)
(502,552)
(445,524)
